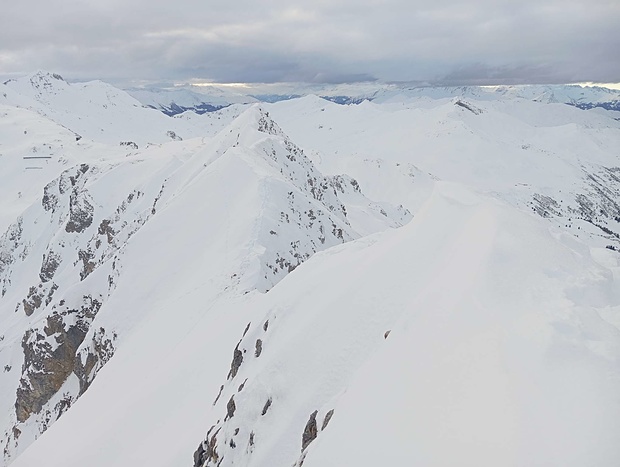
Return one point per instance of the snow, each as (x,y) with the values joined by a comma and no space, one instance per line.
(94,110)
(490,365)
(432,267)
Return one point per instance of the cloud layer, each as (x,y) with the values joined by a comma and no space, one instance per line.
(449,41)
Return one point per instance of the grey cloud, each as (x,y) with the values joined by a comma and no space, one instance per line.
(319,41)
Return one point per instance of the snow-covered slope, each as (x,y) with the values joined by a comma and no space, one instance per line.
(248,200)
(427,281)
(94,110)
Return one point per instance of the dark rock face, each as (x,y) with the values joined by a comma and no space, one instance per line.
(33,300)
(106,229)
(230,408)
(88,264)
(50,199)
(310,432)
(259,348)
(236,363)
(80,212)
(48,364)
(37,297)
(207,454)
(266,407)
(199,455)
(95,356)
(46,368)
(50,264)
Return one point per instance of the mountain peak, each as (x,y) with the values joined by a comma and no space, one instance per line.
(41,82)
(256,119)
(46,75)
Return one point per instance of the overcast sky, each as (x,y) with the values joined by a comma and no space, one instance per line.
(449,41)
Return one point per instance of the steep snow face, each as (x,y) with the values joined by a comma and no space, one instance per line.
(238,212)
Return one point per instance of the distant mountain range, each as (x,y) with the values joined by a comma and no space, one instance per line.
(201,99)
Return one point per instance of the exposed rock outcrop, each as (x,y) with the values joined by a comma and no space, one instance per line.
(310,431)
(236,363)
(50,356)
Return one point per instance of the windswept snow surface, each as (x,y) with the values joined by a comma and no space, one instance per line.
(428,281)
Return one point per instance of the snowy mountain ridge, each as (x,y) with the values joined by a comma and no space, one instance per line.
(82,229)
(429,280)
(94,110)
